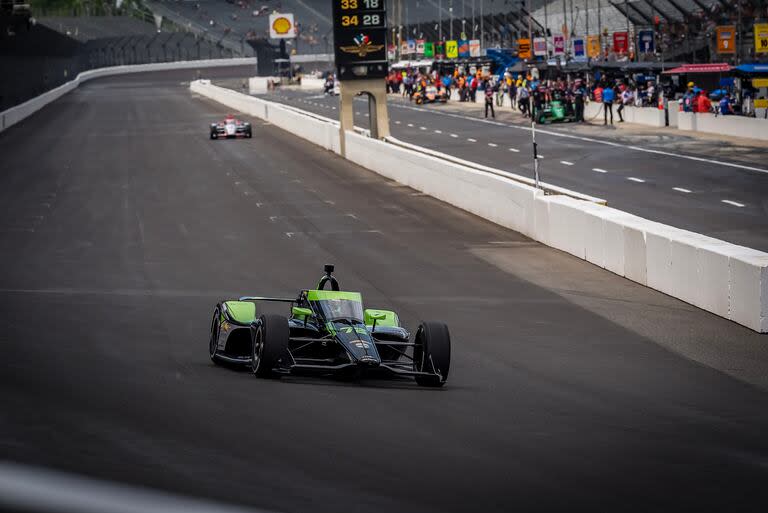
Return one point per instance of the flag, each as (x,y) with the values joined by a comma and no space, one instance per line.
(452,49)
(726,39)
(593,46)
(474,48)
(645,41)
(620,42)
(579,49)
(524,48)
(558,43)
(761,37)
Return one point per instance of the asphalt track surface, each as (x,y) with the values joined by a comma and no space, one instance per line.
(571,389)
(728,203)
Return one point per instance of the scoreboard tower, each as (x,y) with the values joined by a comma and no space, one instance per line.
(360,50)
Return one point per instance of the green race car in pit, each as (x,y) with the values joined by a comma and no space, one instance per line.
(327,333)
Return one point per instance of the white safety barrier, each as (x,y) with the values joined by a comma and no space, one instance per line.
(15,114)
(593,111)
(725,279)
(258,85)
(312,83)
(737,126)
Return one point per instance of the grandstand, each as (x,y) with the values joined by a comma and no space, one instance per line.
(87,28)
(46,51)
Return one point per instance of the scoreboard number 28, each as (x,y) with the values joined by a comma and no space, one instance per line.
(369,20)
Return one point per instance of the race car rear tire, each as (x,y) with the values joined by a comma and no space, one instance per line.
(270,345)
(248,134)
(432,353)
(214,336)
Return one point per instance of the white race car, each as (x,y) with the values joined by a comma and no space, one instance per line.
(231,128)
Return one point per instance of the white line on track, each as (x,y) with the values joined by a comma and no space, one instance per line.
(410,125)
(438,131)
(472,140)
(566,163)
(455,136)
(633,179)
(587,139)
(26,488)
(734,203)
(492,145)
(680,189)
(514,150)
(598,170)
(397,122)
(422,128)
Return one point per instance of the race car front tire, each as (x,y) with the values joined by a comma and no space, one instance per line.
(214,135)
(432,354)
(270,345)
(213,342)
(248,134)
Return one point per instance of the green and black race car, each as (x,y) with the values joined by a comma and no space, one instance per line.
(327,333)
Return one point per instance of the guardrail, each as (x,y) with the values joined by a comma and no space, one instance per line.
(728,280)
(17,113)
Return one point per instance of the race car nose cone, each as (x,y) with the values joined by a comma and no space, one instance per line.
(368,361)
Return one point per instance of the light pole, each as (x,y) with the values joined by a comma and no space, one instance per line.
(482,25)
(600,27)
(474,23)
(626,15)
(440,18)
(546,30)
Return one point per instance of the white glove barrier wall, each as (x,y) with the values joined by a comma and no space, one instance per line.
(15,114)
(728,280)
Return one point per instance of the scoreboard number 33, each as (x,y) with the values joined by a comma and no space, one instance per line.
(355,4)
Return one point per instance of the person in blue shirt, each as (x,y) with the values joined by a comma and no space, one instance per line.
(608,96)
(447,83)
(725,105)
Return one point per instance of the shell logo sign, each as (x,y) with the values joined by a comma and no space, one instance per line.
(281,26)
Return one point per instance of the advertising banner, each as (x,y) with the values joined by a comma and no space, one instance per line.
(463,48)
(524,48)
(558,45)
(281,26)
(392,52)
(645,41)
(761,37)
(620,42)
(452,49)
(403,48)
(420,46)
(539,46)
(726,39)
(440,50)
(411,46)
(579,49)
(429,50)
(474,48)
(593,46)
